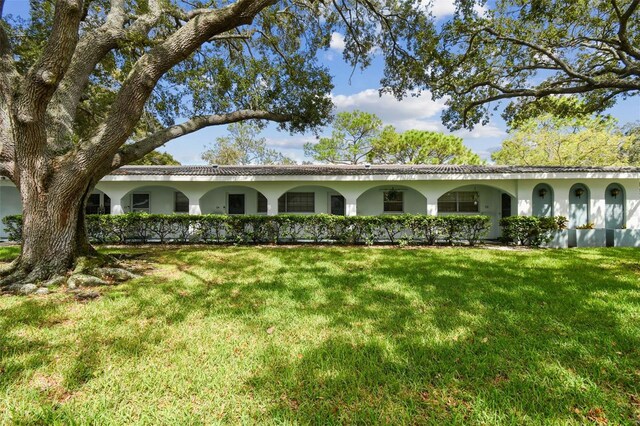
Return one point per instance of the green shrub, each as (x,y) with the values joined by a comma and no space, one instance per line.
(286,228)
(531,230)
(13,227)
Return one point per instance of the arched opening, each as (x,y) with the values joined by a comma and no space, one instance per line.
(614,211)
(155,199)
(98,203)
(233,199)
(542,200)
(579,198)
(479,199)
(391,199)
(311,199)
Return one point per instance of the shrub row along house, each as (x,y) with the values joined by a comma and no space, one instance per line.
(604,200)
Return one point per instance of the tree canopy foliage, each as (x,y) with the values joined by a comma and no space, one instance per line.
(243,146)
(360,137)
(569,141)
(523,51)
(157,158)
(87,86)
(420,147)
(351,140)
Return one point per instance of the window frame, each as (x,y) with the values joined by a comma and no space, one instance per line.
(266,203)
(102,204)
(139,210)
(475,196)
(385,202)
(176,194)
(287,208)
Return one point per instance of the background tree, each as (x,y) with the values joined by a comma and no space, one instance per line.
(632,131)
(81,77)
(243,146)
(570,141)
(524,51)
(351,140)
(157,158)
(420,147)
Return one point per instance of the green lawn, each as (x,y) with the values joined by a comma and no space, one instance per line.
(332,336)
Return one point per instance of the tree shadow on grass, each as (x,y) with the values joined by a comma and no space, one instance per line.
(408,336)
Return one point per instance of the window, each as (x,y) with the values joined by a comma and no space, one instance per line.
(98,204)
(180,203)
(393,202)
(458,202)
(262,203)
(297,202)
(140,202)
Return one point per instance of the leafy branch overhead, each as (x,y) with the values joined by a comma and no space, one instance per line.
(87,86)
(522,51)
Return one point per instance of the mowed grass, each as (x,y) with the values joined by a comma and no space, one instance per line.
(276,335)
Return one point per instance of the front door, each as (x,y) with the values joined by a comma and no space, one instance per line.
(337,205)
(236,203)
(506,205)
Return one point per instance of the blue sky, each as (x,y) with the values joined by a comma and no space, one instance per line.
(359,90)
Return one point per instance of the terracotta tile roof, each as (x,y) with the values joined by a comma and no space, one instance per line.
(355,170)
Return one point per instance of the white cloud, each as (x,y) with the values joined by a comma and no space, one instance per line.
(412,112)
(479,132)
(337,42)
(440,8)
(444,8)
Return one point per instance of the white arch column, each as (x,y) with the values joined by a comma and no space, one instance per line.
(524,195)
(561,197)
(598,203)
(351,203)
(116,199)
(272,197)
(194,200)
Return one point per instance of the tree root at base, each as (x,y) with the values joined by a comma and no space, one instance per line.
(89,271)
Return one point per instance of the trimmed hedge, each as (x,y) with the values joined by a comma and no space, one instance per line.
(285,228)
(531,230)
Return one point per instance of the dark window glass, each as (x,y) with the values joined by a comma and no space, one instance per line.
(93,204)
(297,202)
(393,201)
(107,204)
(262,203)
(458,202)
(236,204)
(448,203)
(181,203)
(140,203)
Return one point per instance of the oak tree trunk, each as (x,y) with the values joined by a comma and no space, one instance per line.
(54,232)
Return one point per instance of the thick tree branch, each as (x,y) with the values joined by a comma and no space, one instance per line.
(135,151)
(568,69)
(132,97)
(91,49)
(44,76)
(623,19)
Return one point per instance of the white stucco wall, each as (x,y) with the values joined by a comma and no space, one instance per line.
(216,200)
(371,202)
(161,199)
(363,194)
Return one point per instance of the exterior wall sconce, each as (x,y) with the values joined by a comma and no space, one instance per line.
(579,192)
(615,192)
(542,192)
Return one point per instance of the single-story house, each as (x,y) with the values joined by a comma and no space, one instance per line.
(606,197)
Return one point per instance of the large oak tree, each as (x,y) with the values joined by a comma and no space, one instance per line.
(524,51)
(87,86)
